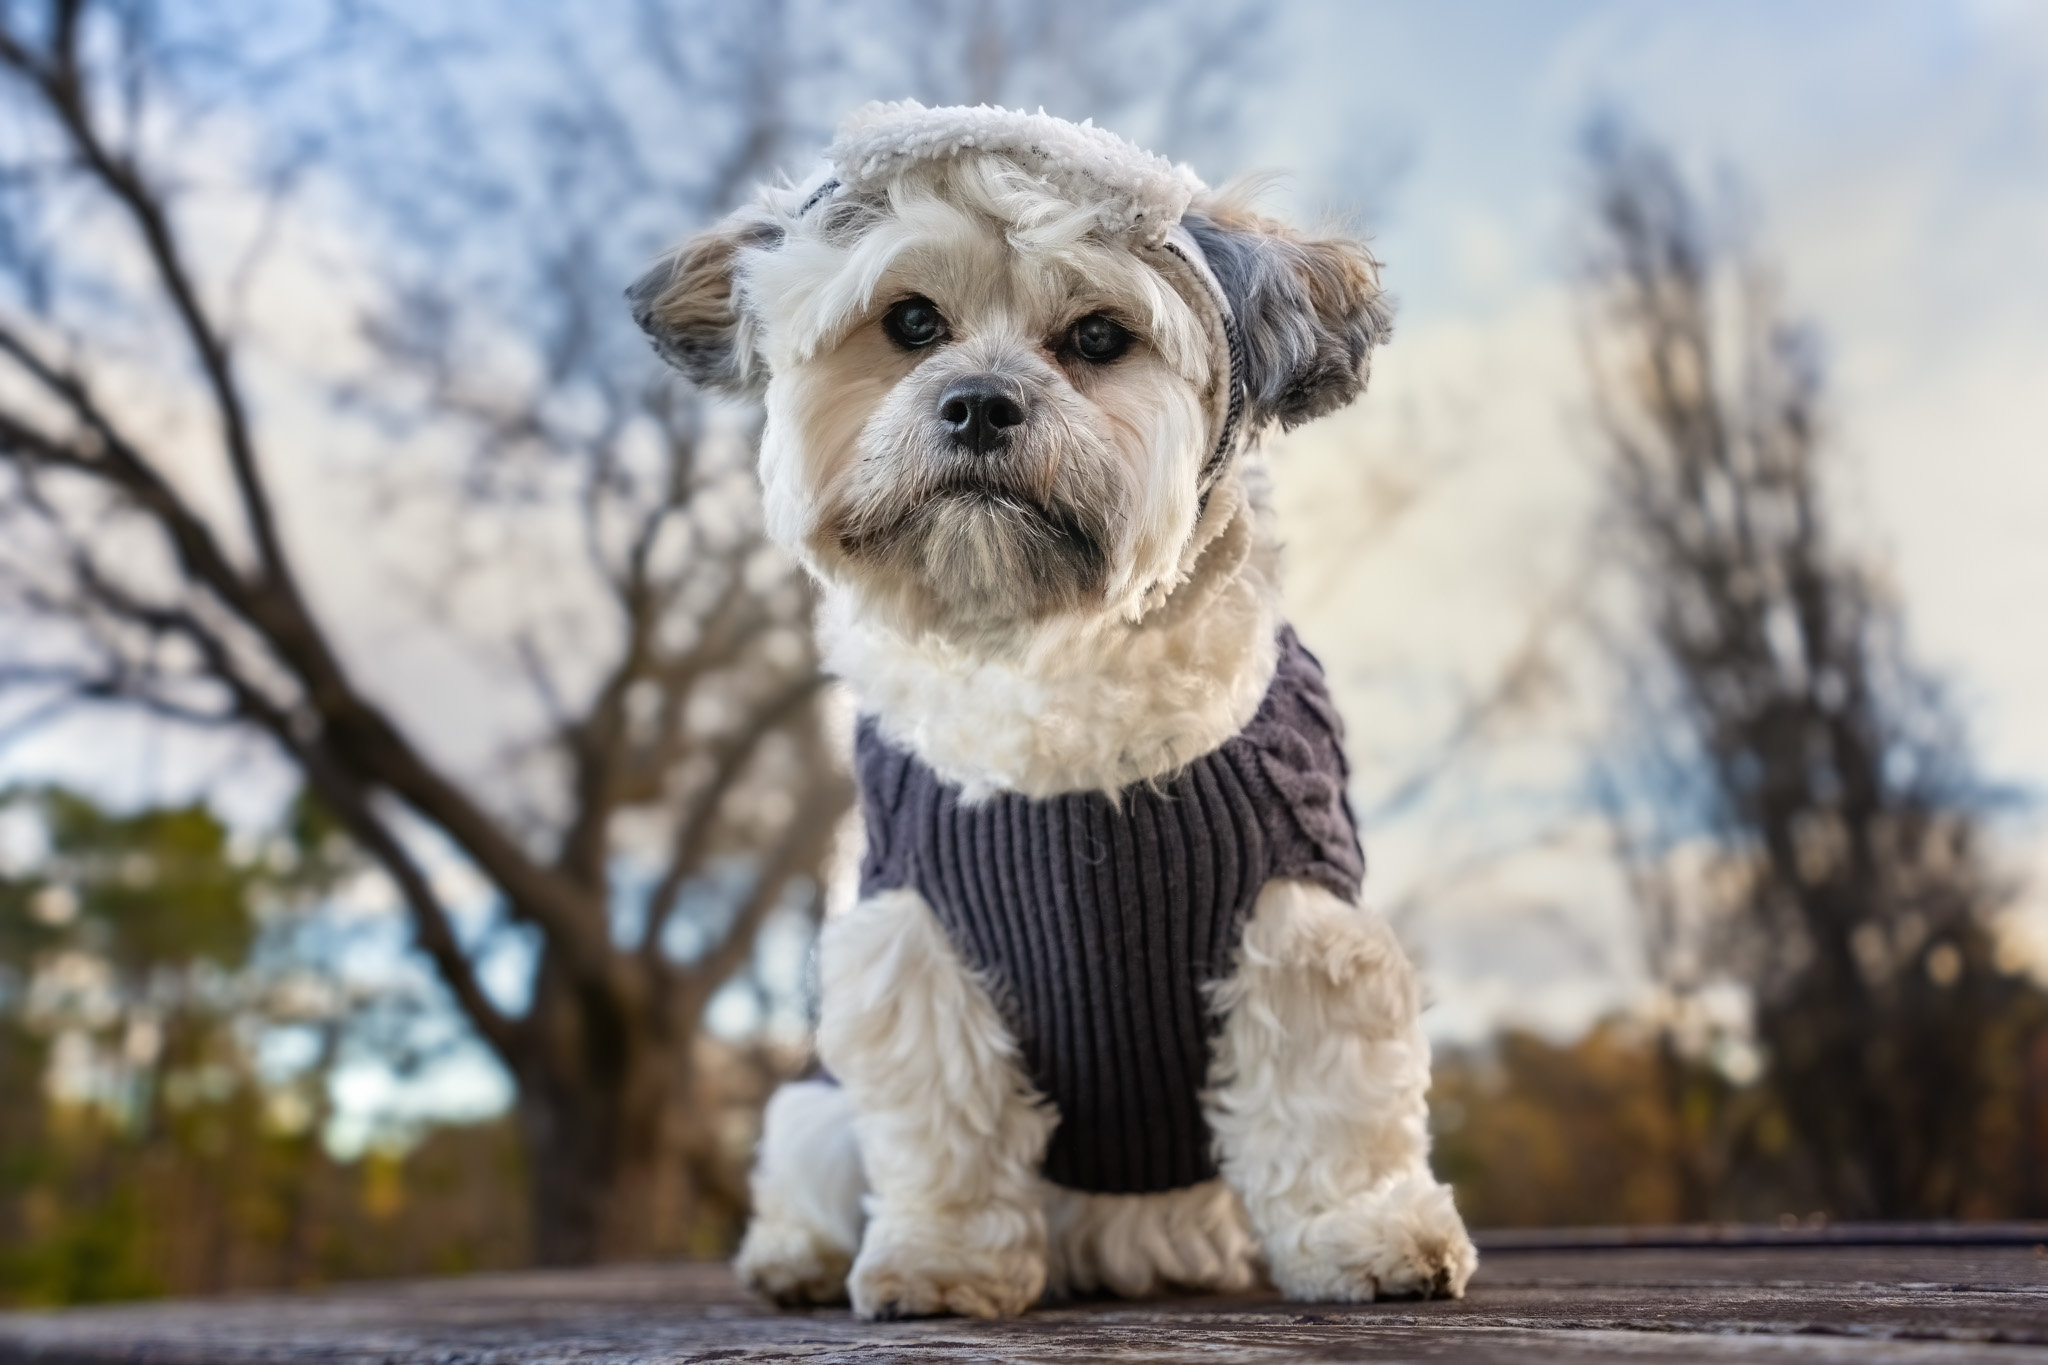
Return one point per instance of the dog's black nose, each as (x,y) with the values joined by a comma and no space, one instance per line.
(980,412)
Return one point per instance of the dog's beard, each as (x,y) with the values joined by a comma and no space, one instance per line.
(981,545)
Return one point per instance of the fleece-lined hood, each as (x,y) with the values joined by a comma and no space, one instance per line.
(1137,194)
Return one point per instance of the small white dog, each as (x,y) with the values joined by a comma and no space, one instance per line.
(1108,1015)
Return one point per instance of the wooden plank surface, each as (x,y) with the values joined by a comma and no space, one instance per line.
(1612,1303)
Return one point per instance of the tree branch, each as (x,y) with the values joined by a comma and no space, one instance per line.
(432,928)
(694,830)
(373,746)
(63,84)
(345,796)
(803,845)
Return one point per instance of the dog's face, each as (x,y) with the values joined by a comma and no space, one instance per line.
(982,410)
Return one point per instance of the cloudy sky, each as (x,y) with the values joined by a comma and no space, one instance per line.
(1892,160)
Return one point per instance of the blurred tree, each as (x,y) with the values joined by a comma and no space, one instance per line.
(1806,820)
(1535,1133)
(1532,1134)
(144,958)
(671,784)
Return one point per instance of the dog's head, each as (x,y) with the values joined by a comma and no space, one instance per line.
(1007,359)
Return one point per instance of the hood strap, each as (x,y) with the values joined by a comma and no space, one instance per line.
(818,194)
(1183,245)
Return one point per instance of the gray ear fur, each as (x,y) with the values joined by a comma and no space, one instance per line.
(1309,311)
(688,305)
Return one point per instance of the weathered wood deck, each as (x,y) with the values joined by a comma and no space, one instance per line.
(1837,1297)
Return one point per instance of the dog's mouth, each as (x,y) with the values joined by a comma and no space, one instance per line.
(1053,525)
(983,545)
(971,486)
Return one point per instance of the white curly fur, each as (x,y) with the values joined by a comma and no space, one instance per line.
(950,1132)
(1193,1240)
(808,1219)
(1317,1098)
(807,1187)
(1086,702)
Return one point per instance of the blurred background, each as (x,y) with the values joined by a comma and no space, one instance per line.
(417,792)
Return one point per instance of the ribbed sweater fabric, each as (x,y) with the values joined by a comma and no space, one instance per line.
(1097,922)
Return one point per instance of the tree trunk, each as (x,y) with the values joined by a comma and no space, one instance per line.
(1690,1135)
(606,1110)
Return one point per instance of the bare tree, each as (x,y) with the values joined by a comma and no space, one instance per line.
(1780,723)
(224,634)
(681,775)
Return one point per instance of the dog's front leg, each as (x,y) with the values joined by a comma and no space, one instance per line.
(1318,1102)
(950,1132)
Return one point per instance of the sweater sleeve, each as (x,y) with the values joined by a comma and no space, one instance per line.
(1297,739)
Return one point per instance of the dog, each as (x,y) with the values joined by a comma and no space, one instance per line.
(1107,1015)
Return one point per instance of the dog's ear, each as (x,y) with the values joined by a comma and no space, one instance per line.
(1309,310)
(690,305)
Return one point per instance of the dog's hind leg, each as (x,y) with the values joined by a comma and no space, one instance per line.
(807,1186)
(1318,1101)
(951,1134)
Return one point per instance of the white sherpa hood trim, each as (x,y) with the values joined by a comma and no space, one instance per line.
(1136,193)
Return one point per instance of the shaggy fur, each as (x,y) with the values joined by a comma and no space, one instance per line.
(950,1131)
(1091,605)
(1310,312)
(1317,1101)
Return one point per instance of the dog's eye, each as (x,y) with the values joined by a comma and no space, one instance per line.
(914,323)
(1099,340)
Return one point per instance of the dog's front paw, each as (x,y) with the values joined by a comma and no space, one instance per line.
(1403,1240)
(911,1268)
(792,1263)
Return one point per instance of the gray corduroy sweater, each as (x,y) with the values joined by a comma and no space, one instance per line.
(1098,922)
